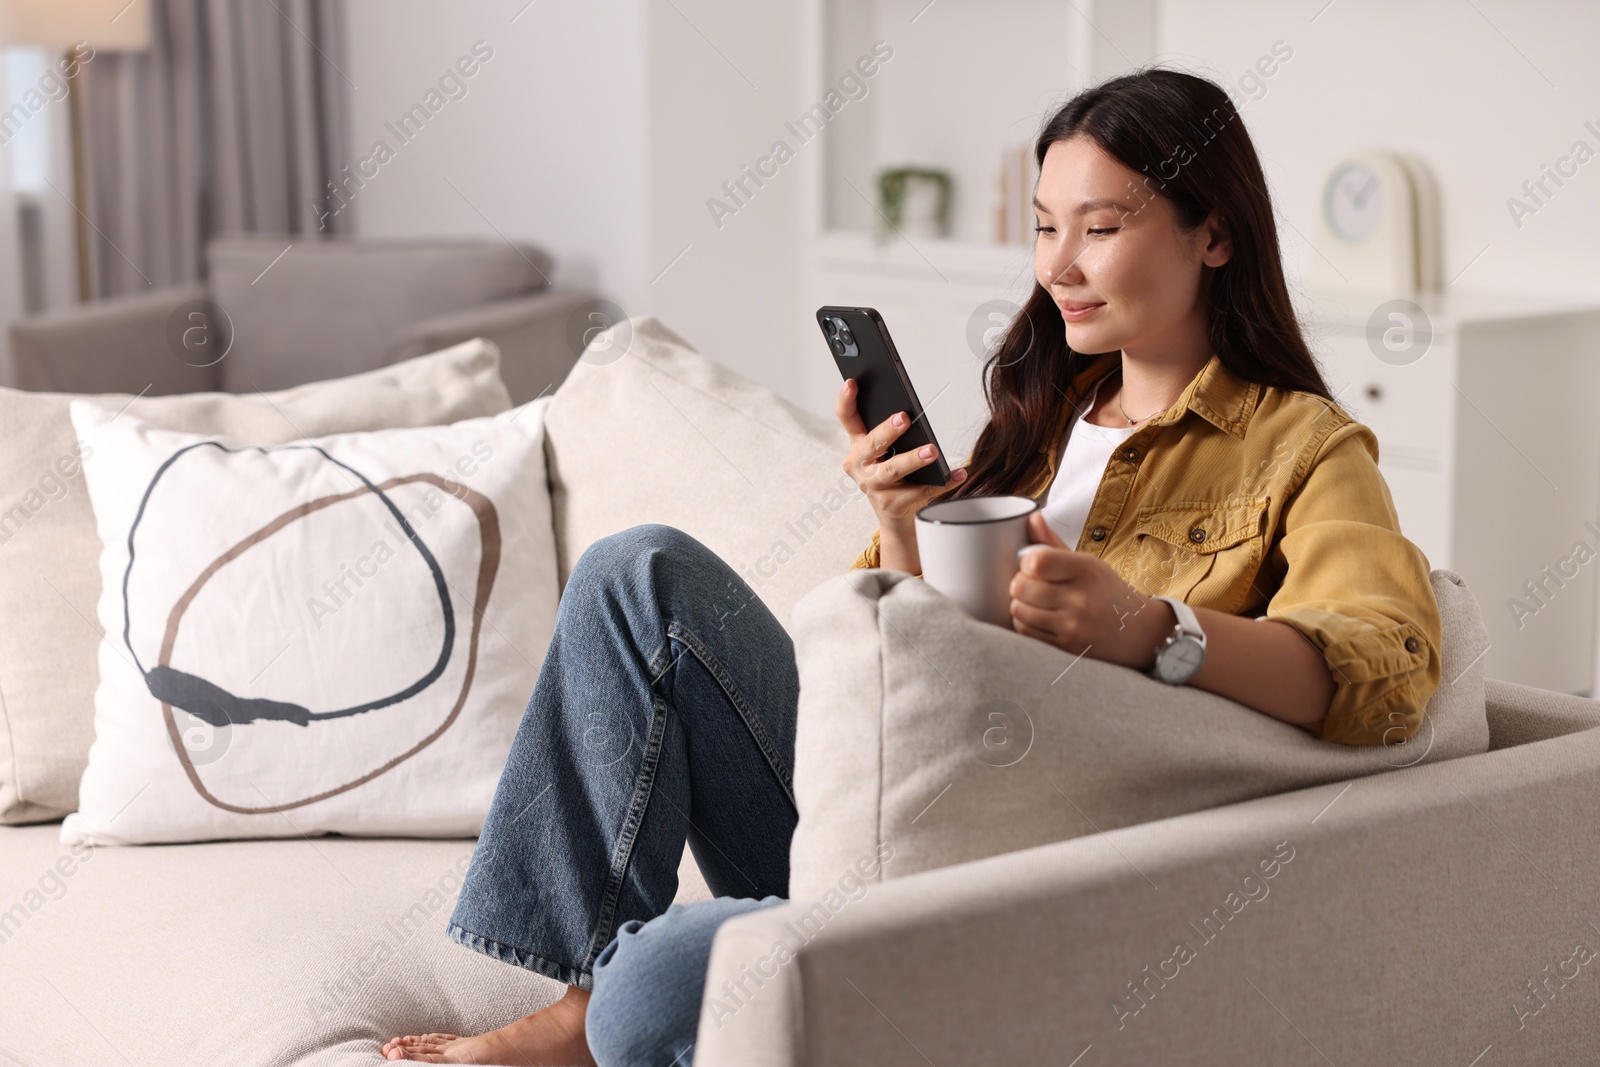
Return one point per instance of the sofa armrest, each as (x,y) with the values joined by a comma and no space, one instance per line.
(958,740)
(1398,918)
(110,346)
(535,354)
(1519,714)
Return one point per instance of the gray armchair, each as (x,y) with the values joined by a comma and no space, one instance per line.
(281,311)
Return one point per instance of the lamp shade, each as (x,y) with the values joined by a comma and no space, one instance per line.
(108,25)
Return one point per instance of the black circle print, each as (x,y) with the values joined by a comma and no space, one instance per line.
(199,698)
(212,703)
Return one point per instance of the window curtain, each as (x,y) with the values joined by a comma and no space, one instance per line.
(232,122)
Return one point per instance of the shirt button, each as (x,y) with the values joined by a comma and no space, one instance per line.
(1412,644)
(1197,535)
(1098,533)
(1130,454)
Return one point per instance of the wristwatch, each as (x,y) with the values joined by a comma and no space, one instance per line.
(1180,656)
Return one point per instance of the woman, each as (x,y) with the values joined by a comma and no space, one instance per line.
(1200,457)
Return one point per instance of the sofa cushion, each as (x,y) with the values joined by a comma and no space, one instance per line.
(49,550)
(645,429)
(329,308)
(306,945)
(288,952)
(949,739)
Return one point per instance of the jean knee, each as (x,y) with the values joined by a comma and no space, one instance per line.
(614,551)
(642,538)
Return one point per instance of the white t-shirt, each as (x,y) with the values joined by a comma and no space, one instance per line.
(1079,473)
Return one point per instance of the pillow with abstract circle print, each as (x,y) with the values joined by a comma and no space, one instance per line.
(336,635)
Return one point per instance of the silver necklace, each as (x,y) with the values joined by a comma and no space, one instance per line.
(1133,421)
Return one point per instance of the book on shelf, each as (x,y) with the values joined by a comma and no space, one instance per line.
(1019,174)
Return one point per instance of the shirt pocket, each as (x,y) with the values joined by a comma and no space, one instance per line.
(1205,553)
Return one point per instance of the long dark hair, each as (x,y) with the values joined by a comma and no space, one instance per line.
(1141,119)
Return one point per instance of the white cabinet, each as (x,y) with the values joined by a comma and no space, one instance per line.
(1490,442)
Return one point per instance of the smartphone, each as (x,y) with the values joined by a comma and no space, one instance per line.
(863,350)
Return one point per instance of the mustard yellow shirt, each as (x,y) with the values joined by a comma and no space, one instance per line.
(1261,501)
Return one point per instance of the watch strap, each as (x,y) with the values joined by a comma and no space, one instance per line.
(1188,621)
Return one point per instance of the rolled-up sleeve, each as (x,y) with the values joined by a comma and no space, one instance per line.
(1360,592)
(869,555)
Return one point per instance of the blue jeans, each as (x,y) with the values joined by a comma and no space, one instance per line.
(664,711)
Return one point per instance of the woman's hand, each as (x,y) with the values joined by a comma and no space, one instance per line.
(894,500)
(1080,604)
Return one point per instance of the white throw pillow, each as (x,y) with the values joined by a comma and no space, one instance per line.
(338,634)
(49,551)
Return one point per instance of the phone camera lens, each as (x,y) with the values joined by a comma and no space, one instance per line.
(838,346)
(829,327)
(844,332)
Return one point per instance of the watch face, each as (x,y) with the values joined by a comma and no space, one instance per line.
(1353,201)
(1179,661)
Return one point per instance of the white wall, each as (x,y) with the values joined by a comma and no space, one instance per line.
(548,145)
(724,77)
(599,129)
(1468,87)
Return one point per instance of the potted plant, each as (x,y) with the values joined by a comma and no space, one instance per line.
(914,202)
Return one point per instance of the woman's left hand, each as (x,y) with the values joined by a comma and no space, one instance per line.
(1080,604)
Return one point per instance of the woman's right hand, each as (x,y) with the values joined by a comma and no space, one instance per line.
(894,500)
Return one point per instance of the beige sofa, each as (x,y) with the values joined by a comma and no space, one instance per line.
(278,311)
(1415,908)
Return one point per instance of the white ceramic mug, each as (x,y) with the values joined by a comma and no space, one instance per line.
(969,549)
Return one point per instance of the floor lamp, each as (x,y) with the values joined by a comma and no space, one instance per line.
(61,25)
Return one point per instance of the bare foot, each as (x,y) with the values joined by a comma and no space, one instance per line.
(550,1037)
